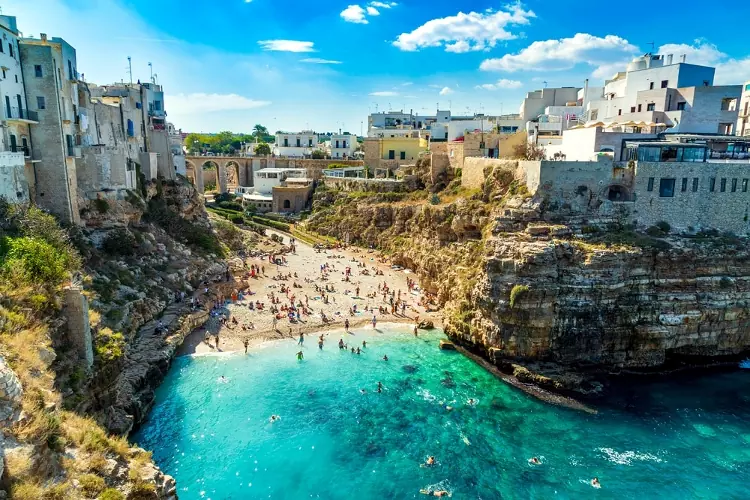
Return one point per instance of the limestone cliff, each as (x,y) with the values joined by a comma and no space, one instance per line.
(565,296)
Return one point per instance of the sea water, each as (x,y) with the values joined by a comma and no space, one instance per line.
(677,440)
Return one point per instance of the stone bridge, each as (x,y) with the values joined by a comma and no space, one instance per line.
(228,172)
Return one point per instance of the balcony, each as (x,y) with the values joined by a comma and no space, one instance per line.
(23,115)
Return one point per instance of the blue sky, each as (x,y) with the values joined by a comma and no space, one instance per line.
(228,64)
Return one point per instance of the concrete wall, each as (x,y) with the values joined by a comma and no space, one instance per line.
(726,211)
(149,165)
(14,186)
(583,144)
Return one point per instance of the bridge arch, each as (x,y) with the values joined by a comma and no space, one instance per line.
(210,172)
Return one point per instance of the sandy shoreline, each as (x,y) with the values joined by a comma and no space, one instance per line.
(368,273)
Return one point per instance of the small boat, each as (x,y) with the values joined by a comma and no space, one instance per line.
(745,364)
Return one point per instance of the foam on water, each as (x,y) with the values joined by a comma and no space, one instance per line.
(333,442)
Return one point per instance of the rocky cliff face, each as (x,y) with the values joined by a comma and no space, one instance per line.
(584,295)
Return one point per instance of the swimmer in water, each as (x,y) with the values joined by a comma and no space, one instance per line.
(380,386)
(435,493)
(385,358)
(595,483)
(274,418)
(362,391)
(300,356)
(430,461)
(364,344)
(471,401)
(341,343)
(535,461)
(223,379)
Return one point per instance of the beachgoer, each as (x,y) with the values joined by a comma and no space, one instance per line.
(471,401)
(341,343)
(364,344)
(534,461)
(320,344)
(380,387)
(301,338)
(435,493)
(595,483)
(346,325)
(358,351)
(385,358)
(374,321)
(300,356)
(353,350)
(415,331)
(246,342)
(430,461)
(274,418)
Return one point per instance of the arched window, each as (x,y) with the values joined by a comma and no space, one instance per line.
(287,204)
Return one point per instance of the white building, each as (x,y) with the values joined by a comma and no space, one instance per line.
(536,102)
(743,120)
(443,126)
(297,145)
(265,179)
(176,148)
(343,145)
(658,89)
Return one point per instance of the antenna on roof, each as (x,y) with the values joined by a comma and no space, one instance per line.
(545,83)
(151,70)
(130,70)
(652,46)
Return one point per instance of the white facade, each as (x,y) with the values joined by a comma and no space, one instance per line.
(15,112)
(537,101)
(343,145)
(296,145)
(264,180)
(743,120)
(14,186)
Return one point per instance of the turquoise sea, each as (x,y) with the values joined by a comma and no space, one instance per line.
(677,439)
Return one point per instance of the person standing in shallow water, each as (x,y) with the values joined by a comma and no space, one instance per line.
(301,338)
(300,356)
(374,321)
(246,342)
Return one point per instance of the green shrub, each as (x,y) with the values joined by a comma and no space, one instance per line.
(664,226)
(101,205)
(36,261)
(120,242)
(91,484)
(237,219)
(108,345)
(517,292)
(589,229)
(111,494)
(182,229)
(230,205)
(434,199)
(281,226)
(655,232)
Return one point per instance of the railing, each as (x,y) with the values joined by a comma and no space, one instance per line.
(20,149)
(14,113)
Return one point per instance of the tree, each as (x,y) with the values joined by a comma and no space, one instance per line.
(528,151)
(259,131)
(263,149)
(318,155)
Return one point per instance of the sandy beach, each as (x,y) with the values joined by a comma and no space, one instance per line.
(304,266)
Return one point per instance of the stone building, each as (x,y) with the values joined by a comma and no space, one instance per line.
(52,85)
(383,155)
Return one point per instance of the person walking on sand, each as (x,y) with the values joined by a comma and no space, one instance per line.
(374,321)
(245,342)
(346,325)
(416,333)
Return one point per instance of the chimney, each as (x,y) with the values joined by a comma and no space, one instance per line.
(43,36)
(683,57)
(669,59)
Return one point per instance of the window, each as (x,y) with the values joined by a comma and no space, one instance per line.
(16,78)
(650,107)
(38,70)
(3,50)
(723,184)
(639,108)
(403,155)
(664,83)
(695,184)
(666,188)
(706,83)
(40,104)
(684,184)
(619,112)
(680,106)
(632,109)
(299,142)
(712,184)
(651,86)
(650,186)
(4,74)
(595,114)
(391,154)
(10,49)
(734,185)
(744,185)
(728,104)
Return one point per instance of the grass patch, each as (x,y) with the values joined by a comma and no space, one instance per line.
(91,484)
(516,293)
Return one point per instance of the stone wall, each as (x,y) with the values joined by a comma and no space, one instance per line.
(291,199)
(563,181)
(14,186)
(79,329)
(472,176)
(376,185)
(724,209)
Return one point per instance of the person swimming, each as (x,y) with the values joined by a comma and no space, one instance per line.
(595,483)
(472,401)
(362,391)
(364,344)
(430,461)
(358,351)
(341,343)
(274,418)
(385,358)
(535,461)
(380,386)
(435,493)
(223,379)
(300,356)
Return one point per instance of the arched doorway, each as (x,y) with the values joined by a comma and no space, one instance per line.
(617,192)
(210,172)
(190,172)
(287,204)
(232,172)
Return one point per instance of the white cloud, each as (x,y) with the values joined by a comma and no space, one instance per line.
(729,71)
(383,5)
(563,53)
(317,60)
(465,32)
(386,93)
(206,103)
(354,14)
(287,45)
(503,83)
(248,1)
(406,84)
(446,91)
(372,11)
